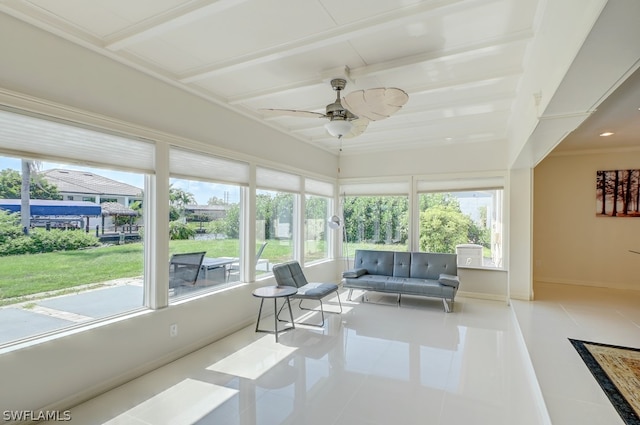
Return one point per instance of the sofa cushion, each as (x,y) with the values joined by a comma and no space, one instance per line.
(368,281)
(424,287)
(394,284)
(429,265)
(375,262)
(315,290)
(402,264)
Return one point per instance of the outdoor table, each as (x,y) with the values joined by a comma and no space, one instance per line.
(275,292)
(212,264)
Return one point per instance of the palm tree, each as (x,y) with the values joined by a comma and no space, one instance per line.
(28,167)
(178,200)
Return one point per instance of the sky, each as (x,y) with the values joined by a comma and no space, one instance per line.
(202,191)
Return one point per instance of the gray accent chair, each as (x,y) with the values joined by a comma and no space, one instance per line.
(290,274)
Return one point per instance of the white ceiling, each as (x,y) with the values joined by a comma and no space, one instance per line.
(461,62)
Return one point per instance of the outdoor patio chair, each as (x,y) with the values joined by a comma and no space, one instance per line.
(290,274)
(184,268)
(234,268)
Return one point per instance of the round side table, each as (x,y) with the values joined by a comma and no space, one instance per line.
(275,292)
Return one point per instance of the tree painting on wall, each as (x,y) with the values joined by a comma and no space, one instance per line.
(618,193)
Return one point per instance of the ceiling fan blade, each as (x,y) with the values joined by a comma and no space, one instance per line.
(291,112)
(375,104)
(359,126)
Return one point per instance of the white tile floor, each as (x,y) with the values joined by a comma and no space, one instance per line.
(560,312)
(383,364)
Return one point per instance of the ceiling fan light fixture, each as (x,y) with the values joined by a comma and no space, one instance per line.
(338,127)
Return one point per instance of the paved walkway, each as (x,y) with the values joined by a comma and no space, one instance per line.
(39,316)
(49,312)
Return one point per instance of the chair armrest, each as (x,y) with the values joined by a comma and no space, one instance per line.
(354,273)
(449,280)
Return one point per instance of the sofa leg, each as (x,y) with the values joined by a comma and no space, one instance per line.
(350,293)
(446,305)
(399,298)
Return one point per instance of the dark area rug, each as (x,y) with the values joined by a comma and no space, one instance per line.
(617,370)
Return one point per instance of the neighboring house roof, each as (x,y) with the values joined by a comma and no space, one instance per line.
(115,208)
(48,207)
(73,181)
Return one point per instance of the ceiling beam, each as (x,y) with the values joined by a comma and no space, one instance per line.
(477,78)
(325,38)
(174,18)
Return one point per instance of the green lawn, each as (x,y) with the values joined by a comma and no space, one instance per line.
(23,275)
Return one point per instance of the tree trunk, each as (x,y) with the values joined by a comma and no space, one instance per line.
(25,197)
(616,183)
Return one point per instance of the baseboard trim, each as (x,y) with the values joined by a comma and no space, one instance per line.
(482,296)
(594,284)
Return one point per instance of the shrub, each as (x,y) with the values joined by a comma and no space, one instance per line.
(180,231)
(9,226)
(14,242)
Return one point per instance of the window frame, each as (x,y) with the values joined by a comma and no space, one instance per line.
(467,183)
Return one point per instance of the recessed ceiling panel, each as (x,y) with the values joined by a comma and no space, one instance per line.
(102,18)
(311,66)
(249,28)
(460,62)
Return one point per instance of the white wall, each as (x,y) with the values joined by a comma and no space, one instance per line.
(519,236)
(571,244)
(485,284)
(442,159)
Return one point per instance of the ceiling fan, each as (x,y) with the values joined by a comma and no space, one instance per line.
(360,108)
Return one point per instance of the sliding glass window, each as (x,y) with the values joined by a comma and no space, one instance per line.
(77,255)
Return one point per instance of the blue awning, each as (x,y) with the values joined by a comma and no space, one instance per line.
(51,208)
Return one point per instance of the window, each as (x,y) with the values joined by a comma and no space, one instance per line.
(316,245)
(467,222)
(275,228)
(100,273)
(276,217)
(376,216)
(318,209)
(376,222)
(205,216)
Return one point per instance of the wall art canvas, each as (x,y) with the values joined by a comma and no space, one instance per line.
(618,193)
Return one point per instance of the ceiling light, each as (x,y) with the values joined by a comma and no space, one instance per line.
(338,127)
(606,134)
